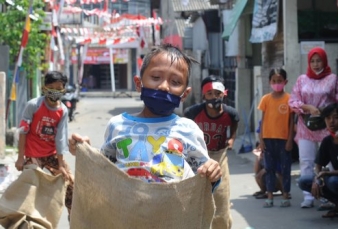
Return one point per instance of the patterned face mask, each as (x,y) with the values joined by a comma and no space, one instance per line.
(53,95)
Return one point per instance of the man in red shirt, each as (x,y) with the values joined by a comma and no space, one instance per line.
(219,124)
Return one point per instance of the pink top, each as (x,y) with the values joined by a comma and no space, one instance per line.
(318,93)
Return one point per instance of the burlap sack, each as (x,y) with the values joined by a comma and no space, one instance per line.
(33,201)
(222,218)
(106,198)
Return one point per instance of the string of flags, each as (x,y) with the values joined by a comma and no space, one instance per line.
(70,2)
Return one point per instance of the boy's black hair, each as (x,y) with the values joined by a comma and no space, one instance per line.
(211,78)
(54,76)
(333,107)
(278,71)
(175,54)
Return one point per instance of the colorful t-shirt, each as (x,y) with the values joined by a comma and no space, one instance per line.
(215,129)
(46,128)
(318,93)
(164,149)
(276,116)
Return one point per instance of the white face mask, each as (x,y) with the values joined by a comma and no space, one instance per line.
(317,73)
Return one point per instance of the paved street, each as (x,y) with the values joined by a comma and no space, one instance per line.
(247,212)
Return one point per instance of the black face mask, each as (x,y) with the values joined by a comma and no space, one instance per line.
(214,103)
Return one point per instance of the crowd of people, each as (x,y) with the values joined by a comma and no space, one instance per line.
(313,102)
(209,131)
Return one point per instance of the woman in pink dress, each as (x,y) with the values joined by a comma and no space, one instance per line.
(313,90)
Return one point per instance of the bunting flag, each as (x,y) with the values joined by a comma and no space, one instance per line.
(24,41)
(70,2)
(16,73)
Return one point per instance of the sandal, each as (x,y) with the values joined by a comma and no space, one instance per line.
(331,214)
(285,203)
(258,193)
(268,203)
(326,206)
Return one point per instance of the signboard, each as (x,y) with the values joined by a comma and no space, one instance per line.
(306,46)
(72,18)
(264,21)
(46,22)
(101,56)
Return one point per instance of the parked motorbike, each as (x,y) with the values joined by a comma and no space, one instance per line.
(70,99)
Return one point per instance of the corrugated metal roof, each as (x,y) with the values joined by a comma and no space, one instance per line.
(181,25)
(193,5)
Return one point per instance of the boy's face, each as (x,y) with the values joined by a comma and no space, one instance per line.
(58,85)
(332,121)
(213,94)
(162,74)
(53,92)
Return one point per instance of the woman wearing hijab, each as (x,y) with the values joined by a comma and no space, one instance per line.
(312,91)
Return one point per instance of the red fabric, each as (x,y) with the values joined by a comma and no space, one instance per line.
(211,85)
(322,54)
(139,62)
(24,39)
(174,40)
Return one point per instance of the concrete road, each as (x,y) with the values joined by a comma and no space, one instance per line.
(247,212)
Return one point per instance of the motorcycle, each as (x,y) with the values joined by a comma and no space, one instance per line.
(70,99)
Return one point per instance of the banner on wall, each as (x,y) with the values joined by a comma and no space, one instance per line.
(101,56)
(264,21)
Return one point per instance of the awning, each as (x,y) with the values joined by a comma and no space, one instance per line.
(235,15)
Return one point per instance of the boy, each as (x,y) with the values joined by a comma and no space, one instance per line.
(156,145)
(44,131)
(276,136)
(214,118)
(325,183)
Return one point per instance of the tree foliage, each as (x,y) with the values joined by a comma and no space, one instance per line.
(12,24)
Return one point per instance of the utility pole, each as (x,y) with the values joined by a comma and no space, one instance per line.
(2,114)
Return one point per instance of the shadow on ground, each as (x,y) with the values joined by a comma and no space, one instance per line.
(248,212)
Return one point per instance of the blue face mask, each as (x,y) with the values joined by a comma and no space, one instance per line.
(160,102)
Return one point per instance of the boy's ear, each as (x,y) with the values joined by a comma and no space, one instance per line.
(185,93)
(137,81)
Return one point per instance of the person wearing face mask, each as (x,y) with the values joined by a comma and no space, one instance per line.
(43,138)
(276,136)
(311,92)
(219,124)
(324,183)
(156,145)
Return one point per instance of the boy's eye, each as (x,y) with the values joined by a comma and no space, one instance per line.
(155,77)
(176,82)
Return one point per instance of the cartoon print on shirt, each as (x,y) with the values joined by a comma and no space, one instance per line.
(167,159)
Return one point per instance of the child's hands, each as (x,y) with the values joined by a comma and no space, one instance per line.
(230,143)
(262,145)
(64,172)
(289,145)
(19,163)
(75,138)
(210,169)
